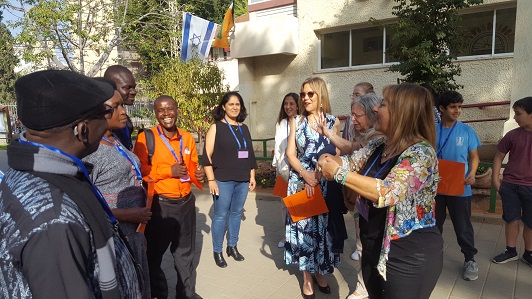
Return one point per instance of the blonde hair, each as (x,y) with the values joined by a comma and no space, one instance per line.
(411,116)
(320,88)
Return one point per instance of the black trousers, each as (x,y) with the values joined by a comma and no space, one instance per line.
(373,281)
(415,275)
(460,212)
(174,225)
(407,277)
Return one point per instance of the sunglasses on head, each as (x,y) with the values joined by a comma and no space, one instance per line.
(310,94)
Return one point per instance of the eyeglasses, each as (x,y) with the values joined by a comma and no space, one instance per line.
(355,95)
(107,113)
(310,94)
(357,116)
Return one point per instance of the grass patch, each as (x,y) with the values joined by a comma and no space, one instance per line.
(3,147)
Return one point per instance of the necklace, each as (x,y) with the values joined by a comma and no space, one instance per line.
(385,153)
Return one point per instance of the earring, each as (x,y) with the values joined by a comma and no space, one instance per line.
(76,131)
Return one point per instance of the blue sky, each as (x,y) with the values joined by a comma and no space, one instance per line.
(8,16)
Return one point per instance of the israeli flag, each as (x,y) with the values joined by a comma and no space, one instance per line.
(198,35)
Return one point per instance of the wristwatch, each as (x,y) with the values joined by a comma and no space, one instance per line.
(341,175)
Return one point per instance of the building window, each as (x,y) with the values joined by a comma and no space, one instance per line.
(355,47)
(335,50)
(486,34)
(489,33)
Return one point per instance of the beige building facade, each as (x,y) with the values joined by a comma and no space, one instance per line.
(286,41)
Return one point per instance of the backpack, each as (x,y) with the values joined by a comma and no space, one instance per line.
(150,143)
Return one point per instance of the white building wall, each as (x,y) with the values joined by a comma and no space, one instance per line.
(271,77)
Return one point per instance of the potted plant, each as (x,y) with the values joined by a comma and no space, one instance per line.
(483,177)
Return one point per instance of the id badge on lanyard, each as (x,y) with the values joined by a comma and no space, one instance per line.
(243,153)
(182,161)
(361,204)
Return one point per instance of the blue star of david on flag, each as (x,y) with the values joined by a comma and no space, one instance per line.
(195,40)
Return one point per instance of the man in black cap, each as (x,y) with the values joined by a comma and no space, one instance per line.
(126,87)
(58,236)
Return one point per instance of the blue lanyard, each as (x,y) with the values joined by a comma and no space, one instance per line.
(380,169)
(440,146)
(119,148)
(243,137)
(80,164)
(170,147)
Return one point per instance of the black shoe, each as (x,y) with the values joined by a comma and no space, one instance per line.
(326,289)
(219,260)
(232,251)
(311,296)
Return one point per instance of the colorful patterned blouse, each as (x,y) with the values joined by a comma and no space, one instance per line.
(408,191)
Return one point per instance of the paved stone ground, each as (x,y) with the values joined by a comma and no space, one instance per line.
(264,275)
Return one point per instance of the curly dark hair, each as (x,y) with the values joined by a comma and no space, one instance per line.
(449,97)
(218,113)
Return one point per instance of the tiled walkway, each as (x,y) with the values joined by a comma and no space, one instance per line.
(264,275)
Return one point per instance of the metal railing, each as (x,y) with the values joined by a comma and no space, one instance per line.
(493,191)
(482,106)
(264,149)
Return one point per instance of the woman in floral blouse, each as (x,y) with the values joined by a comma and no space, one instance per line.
(403,249)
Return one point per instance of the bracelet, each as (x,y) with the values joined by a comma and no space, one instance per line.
(211,180)
(301,170)
(336,173)
(340,175)
(345,176)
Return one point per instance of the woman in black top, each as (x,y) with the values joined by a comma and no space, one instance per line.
(230,168)
(403,249)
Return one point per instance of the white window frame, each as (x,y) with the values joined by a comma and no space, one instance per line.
(388,64)
(493,36)
(351,66)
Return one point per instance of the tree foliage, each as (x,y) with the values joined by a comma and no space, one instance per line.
(426,39)
(196,87)
(64,34)
(8,61)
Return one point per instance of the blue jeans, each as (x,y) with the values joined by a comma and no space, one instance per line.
(230,203)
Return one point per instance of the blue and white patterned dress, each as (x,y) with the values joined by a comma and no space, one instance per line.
(309,243)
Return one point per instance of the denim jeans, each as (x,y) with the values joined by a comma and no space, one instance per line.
(230,203)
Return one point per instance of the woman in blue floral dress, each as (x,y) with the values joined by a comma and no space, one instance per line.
(308,242)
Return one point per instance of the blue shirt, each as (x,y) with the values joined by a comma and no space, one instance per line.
(456,146)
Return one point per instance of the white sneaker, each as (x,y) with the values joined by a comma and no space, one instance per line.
(355,256)
(281,244)
(356,295)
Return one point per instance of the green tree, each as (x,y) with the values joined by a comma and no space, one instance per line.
(196,87)
(8,61)
(65,34)
(426,39)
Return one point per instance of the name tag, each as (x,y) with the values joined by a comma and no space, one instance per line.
(243,154)
(184,179)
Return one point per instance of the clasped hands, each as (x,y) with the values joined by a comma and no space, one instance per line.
(327,165)
(181,170)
